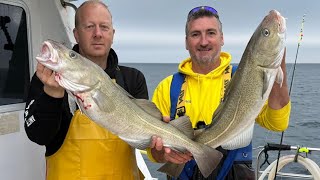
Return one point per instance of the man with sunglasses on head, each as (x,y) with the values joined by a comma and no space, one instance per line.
(76,147)
(200,91)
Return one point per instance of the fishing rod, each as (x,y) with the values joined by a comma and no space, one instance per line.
(295,61)
(291,83)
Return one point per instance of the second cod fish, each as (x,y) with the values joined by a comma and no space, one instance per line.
(250,86)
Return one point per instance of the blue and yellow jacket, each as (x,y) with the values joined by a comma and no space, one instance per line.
(203,95)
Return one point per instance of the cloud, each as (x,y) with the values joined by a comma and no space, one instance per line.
(143,37)
(154,30)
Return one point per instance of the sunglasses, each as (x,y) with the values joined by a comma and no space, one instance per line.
(207,8)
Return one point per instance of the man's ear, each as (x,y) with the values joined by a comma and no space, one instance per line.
(222,39)
(76,35)
(114,32)
(186,44)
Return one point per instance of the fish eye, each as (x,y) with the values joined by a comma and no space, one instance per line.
(72,54)
(265,32)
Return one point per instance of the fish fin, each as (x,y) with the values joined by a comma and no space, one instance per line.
(279,77)
(198,132)
(149,107)
(144,104)
(268,80)
(183,124)
(207,159)
(171,169)
(266,83)
(139,144)
(72,103)
(103,101)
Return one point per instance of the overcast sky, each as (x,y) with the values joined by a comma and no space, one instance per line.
(152,31)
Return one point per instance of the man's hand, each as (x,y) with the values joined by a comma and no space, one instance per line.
(164,154)
(51,86)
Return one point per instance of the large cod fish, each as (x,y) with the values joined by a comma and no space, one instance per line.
(248,90)
(250,86)
(113,108)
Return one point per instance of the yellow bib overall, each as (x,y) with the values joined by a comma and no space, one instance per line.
(90,152)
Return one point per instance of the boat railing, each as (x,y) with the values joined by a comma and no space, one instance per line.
(297,157)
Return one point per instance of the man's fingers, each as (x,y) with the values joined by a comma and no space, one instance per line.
(153,141)
(169,154)
(166,119)
(40,67)
(47,72)
(39,71)
(159,144)
(167,150)
(156,142)
(177,157)
(172,157)
(44,74)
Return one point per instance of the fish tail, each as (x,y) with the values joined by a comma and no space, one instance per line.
(207,159)
(171,169)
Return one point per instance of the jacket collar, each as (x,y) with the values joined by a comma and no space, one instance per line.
(185,67)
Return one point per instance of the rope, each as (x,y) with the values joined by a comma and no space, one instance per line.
(310,165)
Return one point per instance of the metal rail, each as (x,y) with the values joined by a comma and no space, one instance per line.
(278,147)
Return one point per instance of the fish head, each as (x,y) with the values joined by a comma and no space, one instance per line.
(269,40)
(72,71)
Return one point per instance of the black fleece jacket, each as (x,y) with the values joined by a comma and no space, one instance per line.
(47,119)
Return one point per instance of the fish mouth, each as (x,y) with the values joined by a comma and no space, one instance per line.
(281,21)
(47,56)
(282,28)
(282,25)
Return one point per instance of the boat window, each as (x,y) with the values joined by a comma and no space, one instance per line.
(14,58)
